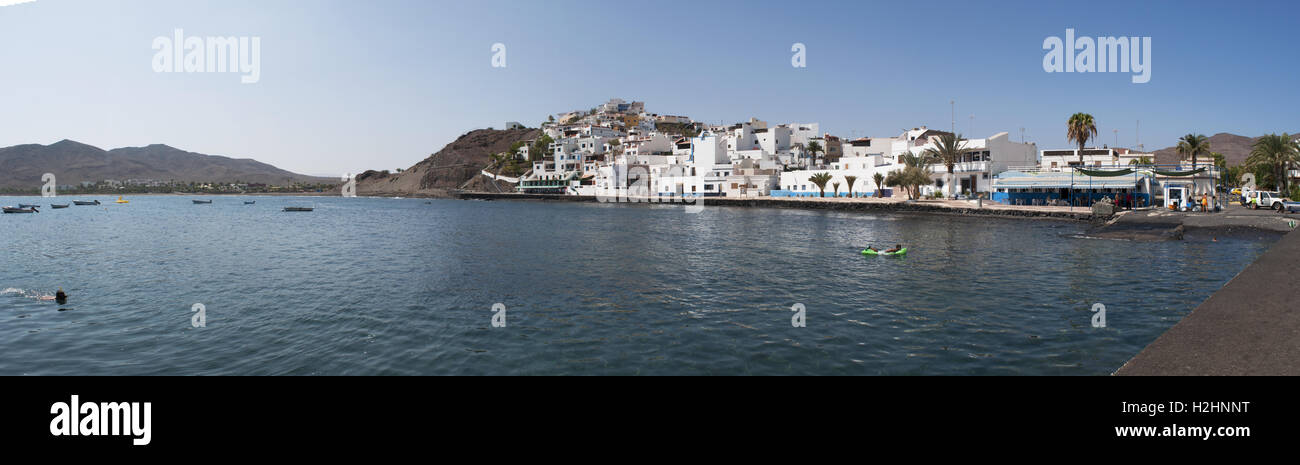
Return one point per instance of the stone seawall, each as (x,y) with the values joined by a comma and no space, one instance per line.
(995,210)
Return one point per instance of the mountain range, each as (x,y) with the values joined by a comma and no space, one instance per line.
(21,166)
(1235,149)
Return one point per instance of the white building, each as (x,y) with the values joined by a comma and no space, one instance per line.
(798,183)
(750,178)
(702,174)
(981,161)
(1064,159)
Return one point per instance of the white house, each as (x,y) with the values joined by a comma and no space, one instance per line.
(1064,159)
(798,183)
(981,161)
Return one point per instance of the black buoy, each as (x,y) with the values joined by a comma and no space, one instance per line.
(60,297)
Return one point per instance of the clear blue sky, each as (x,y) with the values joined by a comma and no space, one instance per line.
(353,85)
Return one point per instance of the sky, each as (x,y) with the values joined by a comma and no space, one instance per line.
(345,86)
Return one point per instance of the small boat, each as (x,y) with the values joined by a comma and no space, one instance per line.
(119,200)
(55,205)
(247,202)
(82,202)
(201,202)
(27,205)
(21,210)
(872,253)
(298,209)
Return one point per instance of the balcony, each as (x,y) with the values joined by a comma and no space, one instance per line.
(964,167)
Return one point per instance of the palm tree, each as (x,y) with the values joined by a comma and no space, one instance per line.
(1220,165)
(1079,129)
(499,159)
(948,149)
(813,148)
(1276,153)
(880,181)
(850,180)
(837,189)
(1192,145)
(820,179)
(914,175)
(1140,161)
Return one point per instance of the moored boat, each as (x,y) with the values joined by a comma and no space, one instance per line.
(298,209)
(83,202)
(55,205)
(201,202)
(21,210)
(249,202)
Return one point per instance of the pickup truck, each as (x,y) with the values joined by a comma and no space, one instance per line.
(1270,200)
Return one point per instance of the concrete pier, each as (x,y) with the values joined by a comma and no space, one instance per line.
(1249,327)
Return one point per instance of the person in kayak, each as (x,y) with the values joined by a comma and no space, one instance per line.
(896,248)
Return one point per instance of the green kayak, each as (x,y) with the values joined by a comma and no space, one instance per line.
(870,252)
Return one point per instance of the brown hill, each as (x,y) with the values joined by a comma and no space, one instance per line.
(74,162)
(448,169)
(1234,148)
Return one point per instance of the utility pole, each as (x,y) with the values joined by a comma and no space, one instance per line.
(1138,134)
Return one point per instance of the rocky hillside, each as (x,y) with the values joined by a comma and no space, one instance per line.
(449,168)
(74,162)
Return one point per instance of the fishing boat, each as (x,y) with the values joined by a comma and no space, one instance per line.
(298,209)
(82,202)
(55,205)
(201,202)
(119,200)
(21,210)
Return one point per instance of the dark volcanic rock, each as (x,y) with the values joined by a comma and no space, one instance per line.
(449,168)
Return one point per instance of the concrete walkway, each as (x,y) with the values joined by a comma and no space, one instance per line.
(1249,327)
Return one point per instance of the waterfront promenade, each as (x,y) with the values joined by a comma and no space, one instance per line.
(885,205)
(1249,327)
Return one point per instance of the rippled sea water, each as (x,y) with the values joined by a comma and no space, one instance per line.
(406,286)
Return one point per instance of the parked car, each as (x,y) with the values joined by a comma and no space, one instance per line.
(1265,199)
